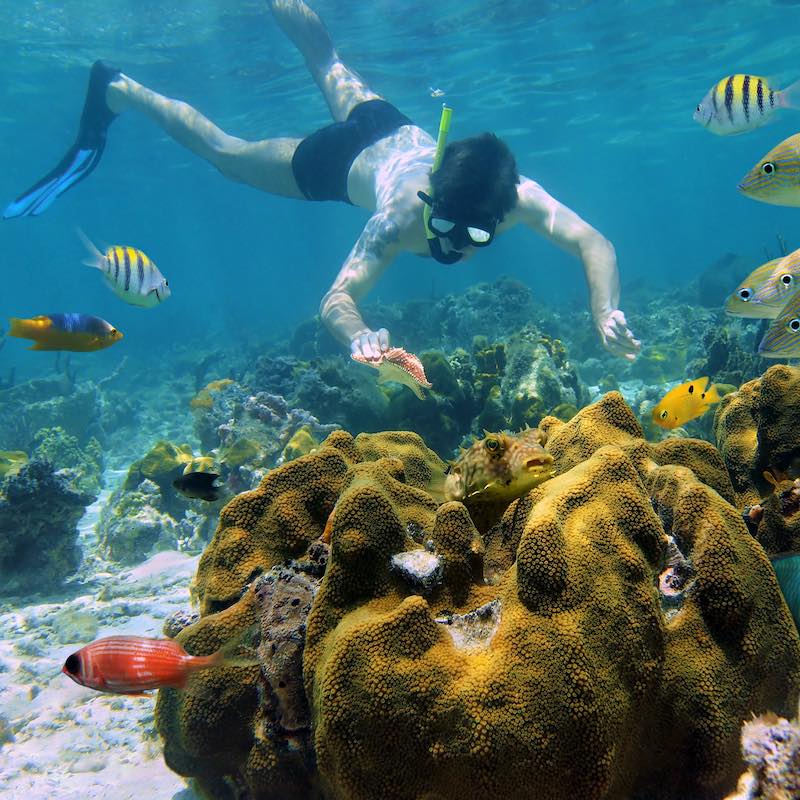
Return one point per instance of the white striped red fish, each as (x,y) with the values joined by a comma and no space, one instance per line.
(740,103)
(134,664)
(130,273)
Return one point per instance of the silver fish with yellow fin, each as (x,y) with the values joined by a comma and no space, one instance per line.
(764,292)
(129,273)
(775,179)
(685,402)
(741,103)
(782,339)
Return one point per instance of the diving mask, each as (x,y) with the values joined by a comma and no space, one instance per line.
(460,232)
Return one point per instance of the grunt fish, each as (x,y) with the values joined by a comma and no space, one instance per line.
(775,178)
(763,293)
(782,339)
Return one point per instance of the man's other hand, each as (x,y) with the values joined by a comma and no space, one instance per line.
(617,337)
(370,344)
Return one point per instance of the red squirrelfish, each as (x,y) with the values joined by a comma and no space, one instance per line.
(134,664)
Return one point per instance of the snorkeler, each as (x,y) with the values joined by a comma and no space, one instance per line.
(372,156)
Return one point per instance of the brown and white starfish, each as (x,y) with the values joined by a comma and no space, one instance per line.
(400,366)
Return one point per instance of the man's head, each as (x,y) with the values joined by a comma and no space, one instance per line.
(475,186)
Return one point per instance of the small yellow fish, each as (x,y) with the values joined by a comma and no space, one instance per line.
(764,292)
(129,273)
(740,103)
(687,401)
(79,333)
(782,339)
(775,178)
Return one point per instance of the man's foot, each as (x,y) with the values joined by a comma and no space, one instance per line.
(82,157)
(306,30)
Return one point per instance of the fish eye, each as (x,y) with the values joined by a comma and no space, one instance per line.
(166,282)
(113,331)
(698,107)
(663,414)
(793,325)
(73,664)
(767,168)
(786,280)
(492,444)
(745,293)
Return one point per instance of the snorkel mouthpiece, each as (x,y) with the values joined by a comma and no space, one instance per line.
(433,241)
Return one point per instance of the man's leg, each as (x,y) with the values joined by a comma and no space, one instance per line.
(265,165)
(343,89)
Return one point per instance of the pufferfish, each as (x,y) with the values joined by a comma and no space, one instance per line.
(685,402)
(495,470)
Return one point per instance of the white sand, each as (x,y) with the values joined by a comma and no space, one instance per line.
(72,743)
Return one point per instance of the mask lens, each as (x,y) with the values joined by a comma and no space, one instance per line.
(478,235)
(442,226)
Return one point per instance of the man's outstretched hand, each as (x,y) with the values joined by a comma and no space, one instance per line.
(617,337)
(370,344)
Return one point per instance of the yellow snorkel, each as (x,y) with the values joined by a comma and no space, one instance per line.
(441,143)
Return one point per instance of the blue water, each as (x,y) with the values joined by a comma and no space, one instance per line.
(595,99)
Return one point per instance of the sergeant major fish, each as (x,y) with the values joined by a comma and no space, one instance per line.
(77,332)
(130,274)
(775,179)
(764,292)
(740,103)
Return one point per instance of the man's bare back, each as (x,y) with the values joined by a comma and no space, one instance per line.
(385,177)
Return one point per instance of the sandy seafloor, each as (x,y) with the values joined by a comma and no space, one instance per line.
(69,742)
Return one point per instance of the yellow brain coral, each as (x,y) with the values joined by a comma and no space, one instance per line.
(566,656)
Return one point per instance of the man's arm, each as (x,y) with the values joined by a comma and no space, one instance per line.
(542,212)
(375,249)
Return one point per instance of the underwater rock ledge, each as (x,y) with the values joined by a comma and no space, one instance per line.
(578,661)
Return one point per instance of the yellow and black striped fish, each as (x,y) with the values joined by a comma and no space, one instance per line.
(740,103)
(775,179)
(130,273)
(782,339)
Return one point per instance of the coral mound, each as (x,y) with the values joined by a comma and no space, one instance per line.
(541,661)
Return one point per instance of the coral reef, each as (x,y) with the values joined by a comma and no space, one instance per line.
(39,512)
(771,750)
(539,677)
(82,465)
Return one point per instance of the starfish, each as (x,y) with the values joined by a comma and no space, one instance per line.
(399,366)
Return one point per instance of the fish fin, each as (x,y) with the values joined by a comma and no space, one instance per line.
(96,259)
(790,96)
(230,654)
(435,487)
(16,327)
(82,157)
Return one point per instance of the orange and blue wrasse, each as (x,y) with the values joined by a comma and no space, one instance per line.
(764,292)
(685,402)
(775,178)
(80,333)
(135,664)
(129,273)
(741,103)
(782,339)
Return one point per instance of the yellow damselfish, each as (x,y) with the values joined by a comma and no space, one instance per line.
(687,401)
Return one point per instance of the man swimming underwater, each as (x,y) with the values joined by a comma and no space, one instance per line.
(372,156)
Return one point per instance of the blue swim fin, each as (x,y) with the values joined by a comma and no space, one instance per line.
(82,157)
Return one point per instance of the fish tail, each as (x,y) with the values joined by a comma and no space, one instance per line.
(96,259)
(790,96)
(236,653)
(18,328)
(712,395)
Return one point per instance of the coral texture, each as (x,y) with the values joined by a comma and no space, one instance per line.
(543,677)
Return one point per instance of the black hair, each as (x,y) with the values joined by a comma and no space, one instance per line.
(477,178)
